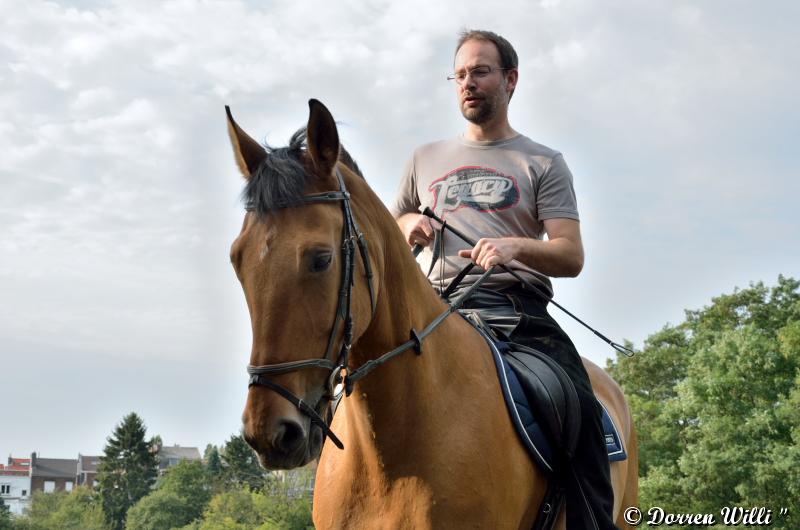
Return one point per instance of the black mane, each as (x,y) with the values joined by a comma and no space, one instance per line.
(282,179)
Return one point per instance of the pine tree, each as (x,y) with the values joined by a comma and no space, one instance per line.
(127,470)
(241,464)
(213,461)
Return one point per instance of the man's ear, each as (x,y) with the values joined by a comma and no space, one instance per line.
(322,138)
(248,153)
(512,76)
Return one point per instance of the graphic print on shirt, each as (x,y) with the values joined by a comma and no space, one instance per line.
(481,188)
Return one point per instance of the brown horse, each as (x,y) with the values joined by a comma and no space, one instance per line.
(428,442)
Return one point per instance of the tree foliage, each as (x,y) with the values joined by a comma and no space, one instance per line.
(213,459)
(245,509)
(716,400)
(78,510)
(214,467)
(127,470)
(241,465)
(180,497)
(5,516)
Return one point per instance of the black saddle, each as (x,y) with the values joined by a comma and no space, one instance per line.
(542,402)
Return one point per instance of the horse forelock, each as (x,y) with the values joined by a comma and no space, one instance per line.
(283,177)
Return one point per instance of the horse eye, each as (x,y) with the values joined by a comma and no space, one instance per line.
(321,261)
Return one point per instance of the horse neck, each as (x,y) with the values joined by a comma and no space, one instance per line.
(411,393)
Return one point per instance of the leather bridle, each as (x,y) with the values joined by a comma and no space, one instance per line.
(351,236)
(341,378)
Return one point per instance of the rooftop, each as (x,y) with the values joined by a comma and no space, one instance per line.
(55,467)
(16,467)
(176,451)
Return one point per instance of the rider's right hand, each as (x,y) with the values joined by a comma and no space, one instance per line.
(417,229)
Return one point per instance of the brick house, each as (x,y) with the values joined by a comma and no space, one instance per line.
(53,474)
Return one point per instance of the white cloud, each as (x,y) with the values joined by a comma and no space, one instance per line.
(120,192)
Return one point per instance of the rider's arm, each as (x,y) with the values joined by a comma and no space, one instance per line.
(561,255)
(417,228)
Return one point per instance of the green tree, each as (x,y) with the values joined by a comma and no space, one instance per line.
(180,497)
(241,464)
(716,401)
(245,509)
(127,470)
(156,442)
(78,510)
(213,462)
(5,516)
(159,510)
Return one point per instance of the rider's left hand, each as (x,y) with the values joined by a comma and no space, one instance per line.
(491,251)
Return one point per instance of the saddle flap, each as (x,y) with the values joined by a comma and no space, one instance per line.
(550,392)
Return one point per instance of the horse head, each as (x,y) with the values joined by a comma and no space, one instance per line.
(297,262)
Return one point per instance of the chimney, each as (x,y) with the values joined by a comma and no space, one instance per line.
(33,459)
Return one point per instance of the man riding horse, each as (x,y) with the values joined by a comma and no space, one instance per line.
(506,192)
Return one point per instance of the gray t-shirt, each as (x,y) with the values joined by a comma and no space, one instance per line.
(503,188)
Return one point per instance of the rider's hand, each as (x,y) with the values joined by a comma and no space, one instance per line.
(417,229)
(491,251)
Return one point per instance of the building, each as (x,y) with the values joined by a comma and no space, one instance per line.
(15,484)
(169,456)
(87,470)
(53,474)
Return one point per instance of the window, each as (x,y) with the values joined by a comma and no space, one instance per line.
(68,485)
(5,489)
(24,493)
(49,486)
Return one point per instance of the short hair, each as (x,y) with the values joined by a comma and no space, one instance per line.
(508,57)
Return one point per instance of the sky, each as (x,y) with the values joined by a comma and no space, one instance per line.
(120,196)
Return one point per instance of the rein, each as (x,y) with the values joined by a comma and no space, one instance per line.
(457,280)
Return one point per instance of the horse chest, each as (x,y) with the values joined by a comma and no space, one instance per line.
(404,504)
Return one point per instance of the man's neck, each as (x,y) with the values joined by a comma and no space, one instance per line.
(490,131)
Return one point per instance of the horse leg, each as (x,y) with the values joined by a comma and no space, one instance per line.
(630,496)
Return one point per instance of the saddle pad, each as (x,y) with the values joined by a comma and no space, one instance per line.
(529,430)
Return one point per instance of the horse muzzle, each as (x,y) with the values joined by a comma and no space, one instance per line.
(282,441)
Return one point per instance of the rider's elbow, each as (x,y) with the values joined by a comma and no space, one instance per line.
(575,266)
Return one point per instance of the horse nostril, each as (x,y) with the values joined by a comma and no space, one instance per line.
(289,436)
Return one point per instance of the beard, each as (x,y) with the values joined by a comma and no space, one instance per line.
(485,111)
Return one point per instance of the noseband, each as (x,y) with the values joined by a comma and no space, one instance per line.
(351,236)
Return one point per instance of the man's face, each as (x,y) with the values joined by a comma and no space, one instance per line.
(482,98)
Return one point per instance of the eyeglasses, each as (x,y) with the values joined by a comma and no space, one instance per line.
(479,72)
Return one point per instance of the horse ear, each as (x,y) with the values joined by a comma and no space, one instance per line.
(322,137)
(249,153)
